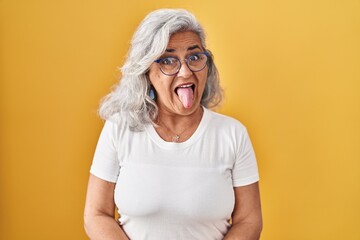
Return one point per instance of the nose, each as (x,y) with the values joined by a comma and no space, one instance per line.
(184,71)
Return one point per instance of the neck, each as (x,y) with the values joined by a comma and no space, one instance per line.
(178,128)
(175,121)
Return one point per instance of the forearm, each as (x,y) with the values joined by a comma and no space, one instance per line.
(103,227)
(244,231)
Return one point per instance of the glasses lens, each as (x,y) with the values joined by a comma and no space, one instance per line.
(197,61)
(169,65)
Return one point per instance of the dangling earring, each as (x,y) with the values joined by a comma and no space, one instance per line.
(152,93)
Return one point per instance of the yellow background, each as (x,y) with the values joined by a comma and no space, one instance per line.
(291,71)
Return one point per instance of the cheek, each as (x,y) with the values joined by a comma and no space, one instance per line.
(203,78)
(160,82)
(154,78)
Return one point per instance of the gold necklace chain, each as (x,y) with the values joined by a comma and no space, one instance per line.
(175,138)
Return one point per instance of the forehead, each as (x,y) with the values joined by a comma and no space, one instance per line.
(183,40)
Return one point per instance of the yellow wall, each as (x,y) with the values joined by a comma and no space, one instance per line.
(291,70)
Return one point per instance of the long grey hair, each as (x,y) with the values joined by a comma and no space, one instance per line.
(130,100)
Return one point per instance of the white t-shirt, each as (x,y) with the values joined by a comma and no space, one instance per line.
(176,191)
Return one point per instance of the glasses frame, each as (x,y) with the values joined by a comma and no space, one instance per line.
(207,54)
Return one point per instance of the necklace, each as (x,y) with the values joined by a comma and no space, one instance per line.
(176,136)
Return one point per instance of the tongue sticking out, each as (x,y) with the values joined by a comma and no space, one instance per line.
(186,96)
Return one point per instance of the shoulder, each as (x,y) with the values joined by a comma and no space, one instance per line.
(115,126)
(223,122)
(122,120)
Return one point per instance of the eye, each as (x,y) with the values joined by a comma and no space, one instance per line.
(168,61)
(195,57)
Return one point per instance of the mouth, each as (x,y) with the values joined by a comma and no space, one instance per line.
(190,85)
(185,93)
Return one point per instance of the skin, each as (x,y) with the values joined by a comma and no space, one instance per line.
(100,207)
(247,216)
(172,113)
(99,213)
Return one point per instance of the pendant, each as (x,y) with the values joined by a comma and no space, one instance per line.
(176,138)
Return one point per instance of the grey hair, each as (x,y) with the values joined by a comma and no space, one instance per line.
(130,100)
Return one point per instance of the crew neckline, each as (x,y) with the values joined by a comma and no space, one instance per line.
(150,129)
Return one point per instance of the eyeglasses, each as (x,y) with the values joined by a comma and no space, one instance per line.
(172,65)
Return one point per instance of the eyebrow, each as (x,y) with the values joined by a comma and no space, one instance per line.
(193,47)
(170,50)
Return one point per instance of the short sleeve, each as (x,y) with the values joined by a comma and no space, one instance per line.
(245,170)
(105,164)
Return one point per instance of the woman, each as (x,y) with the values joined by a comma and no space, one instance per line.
(173,168)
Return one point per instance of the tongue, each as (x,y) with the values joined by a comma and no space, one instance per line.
(186,96)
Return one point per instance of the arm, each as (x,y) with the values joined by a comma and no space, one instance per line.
(99,219)
(246,217)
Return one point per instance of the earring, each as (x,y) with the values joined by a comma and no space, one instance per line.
(152,93)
